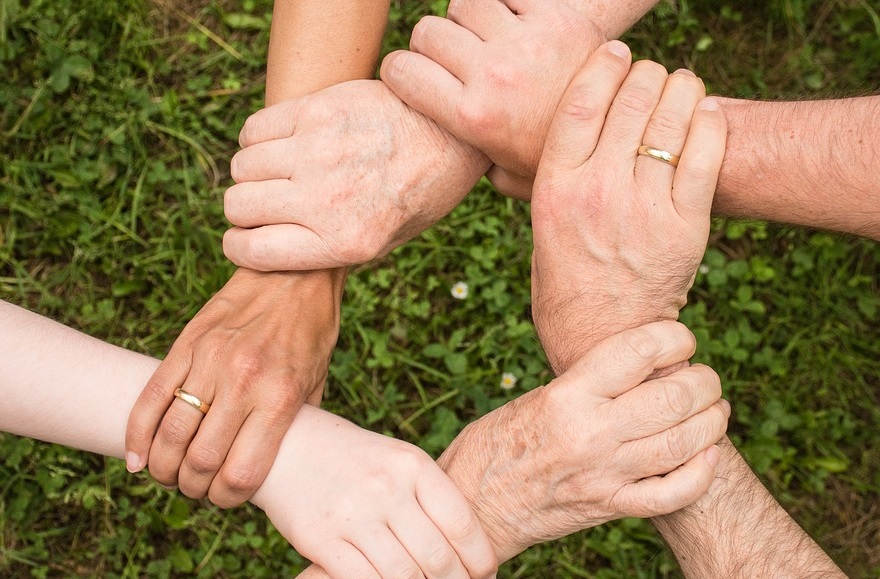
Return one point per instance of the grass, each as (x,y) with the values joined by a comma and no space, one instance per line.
(117,121)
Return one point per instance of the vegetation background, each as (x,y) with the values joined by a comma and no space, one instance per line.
(117,121)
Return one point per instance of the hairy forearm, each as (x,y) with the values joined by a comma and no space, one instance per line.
(810,163)
(318,43)
(739,530)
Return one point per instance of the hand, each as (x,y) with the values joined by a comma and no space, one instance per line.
(492,73)
(598,443)
(360,504)
(618,236)
(340,177)
(255,353)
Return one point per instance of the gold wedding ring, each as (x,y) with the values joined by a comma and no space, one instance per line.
(660,155)
(193,401)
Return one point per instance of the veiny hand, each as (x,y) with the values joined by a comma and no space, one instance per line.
(340,177)
(492,73)
(598,443)
(257,350)
(618,236)
(360,504)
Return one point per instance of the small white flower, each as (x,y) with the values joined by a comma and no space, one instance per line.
(508,381)
(704,269)
(460,290)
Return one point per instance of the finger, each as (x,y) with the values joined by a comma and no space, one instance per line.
(511,184)
(623,361)
(251,454)
(485,18)
(385,553)
(579,119)
(667,130)
(672,448)
(275,122)
(258,203)
(659,404)
(152,404)
(176,431)
(282,247)
(697,174)
(208,450)
(424,85)
(313,572)
(663,495)
(448,44)
(630,112)
(343,560)
(450,512)
(264,161)
(426,545)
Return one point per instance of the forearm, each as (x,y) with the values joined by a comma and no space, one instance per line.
(739,530)
(315,44)
(807,163)
(59,385)
(613,17)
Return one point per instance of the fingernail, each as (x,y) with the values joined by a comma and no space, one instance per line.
(726,406)
(167,487)
(617,48)
(708,104)
(684,71)
(133,462)
(713,454)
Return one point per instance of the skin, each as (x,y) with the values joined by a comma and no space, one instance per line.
(556,438)
(607,417)
(737,529)
(401,173)
(806,163)
(260,347)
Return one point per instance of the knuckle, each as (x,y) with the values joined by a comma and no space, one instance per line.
(580,104)
(678,398)
(245,365)
(665,121)
(634,100)
(205,460)
(678,445)
(441,559)
(640,344)
(471,116)
(175,430)
(241,479)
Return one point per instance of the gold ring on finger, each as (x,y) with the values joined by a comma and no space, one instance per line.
(660,155)
(192,400)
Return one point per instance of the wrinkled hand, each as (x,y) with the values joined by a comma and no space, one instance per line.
(618,236)
(492,73)
(360,504)
(598,443)
(257,350)
(340,177)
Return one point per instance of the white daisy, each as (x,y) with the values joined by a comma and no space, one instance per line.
(460,290)
(508,381)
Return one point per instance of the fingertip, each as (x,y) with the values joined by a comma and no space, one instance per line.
(134,462)
(712,455)
(709,104)
(618,49)
(393,67)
